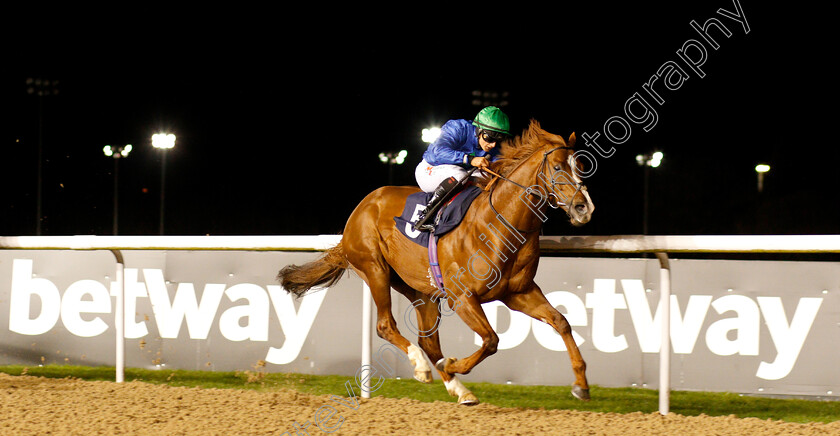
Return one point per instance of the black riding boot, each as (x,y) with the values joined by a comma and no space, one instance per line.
(426,220)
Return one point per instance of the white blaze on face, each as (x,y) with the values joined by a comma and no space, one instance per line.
(573,166)
(576,178)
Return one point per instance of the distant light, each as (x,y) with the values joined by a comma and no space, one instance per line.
(117,152)
(163,140)
(762,168)
(653,160)
(391,158)
(656,159)
(430,134)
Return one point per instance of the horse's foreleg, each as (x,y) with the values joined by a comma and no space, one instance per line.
(473,315)
(534,304)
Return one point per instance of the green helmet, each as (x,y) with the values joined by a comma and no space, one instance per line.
(492,118)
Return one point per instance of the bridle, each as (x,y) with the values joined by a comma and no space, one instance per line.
(555,170)
(549,193)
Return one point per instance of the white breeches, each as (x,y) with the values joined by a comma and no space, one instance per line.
(429,176)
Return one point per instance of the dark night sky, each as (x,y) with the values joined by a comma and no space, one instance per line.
(279,130)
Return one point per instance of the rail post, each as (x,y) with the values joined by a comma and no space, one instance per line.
(119,317)
(665,347)
(366,336)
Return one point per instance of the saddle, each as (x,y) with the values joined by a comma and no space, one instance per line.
(448,216)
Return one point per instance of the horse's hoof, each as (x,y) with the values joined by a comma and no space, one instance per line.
(423,376)
(468,399)
(580,393)
(441,364)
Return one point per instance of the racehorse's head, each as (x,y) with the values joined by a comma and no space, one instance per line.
(555,178)
(560,175)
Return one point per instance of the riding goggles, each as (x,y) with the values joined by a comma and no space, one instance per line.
(491,136)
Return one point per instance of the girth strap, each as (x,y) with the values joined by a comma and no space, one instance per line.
(433,262)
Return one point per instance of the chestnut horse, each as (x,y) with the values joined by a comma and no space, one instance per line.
(492,255)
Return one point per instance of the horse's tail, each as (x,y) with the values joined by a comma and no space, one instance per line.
(327,270)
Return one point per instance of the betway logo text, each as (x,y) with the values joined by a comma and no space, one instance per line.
(788,337)
(91,297)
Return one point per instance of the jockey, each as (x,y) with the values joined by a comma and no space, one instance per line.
(462,144)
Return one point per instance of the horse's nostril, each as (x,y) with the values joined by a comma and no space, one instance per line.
(580,208)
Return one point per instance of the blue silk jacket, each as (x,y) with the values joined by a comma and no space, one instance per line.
(456,141)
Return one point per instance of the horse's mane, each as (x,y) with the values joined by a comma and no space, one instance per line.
(521,147)
(518,148)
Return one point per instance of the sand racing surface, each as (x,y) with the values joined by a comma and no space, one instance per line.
(38,406)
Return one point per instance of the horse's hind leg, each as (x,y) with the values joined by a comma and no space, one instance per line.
(534,304)
(380,290)
(422,370)
(379,282)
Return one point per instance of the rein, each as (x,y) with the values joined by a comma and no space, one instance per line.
(550,193)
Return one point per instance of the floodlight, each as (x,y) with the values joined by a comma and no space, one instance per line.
(429,135)
(163,140)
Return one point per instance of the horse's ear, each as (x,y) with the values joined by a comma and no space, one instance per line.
(572,139)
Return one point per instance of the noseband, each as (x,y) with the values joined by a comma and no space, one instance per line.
(543,192)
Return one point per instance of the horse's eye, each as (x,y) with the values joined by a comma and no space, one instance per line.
(557,167)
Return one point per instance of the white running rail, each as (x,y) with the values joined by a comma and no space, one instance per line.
(661,245)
